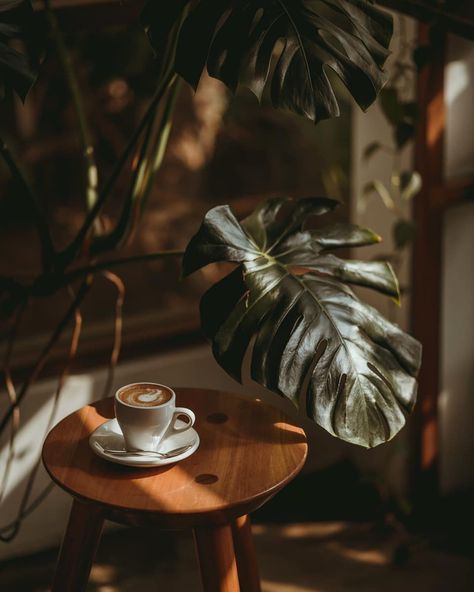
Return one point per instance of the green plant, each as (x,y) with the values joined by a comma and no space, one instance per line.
(362,367)
(401,113)
(352,38)
(292,295)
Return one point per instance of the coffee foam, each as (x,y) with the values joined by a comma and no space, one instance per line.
(142,395)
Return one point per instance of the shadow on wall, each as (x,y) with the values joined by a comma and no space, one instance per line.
(194,367)
(338,480)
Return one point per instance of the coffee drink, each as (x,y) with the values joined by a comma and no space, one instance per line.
(146,413)
(145,395)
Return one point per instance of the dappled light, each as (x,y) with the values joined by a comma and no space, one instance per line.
(236,295)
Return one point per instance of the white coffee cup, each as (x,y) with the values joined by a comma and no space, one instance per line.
(144,427)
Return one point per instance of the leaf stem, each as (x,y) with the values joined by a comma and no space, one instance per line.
(144,173)
(122,229)
(161,144)
(70,313)
(81,271)
(71,251)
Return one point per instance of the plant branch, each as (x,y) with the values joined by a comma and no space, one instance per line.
(11,527)
(122,228)
(10,386)
(161,143)
(77,273)
(47,249)
(9,532)
(70,314)
(84,132)
(118,326)
(71,251)
(142,179)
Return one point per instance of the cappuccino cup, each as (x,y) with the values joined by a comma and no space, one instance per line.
(146,413)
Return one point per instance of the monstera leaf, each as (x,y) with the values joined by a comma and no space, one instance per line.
(289,298)
(15,70)
(237,40)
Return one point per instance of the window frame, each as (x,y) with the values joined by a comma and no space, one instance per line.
(430,205)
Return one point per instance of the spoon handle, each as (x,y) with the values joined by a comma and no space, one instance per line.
(171,453)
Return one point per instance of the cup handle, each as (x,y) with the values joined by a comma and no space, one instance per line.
(180,411)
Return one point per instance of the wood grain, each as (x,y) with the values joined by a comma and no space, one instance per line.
(217,564)
(78,549)
(248,452)
(426,268)
(247,567)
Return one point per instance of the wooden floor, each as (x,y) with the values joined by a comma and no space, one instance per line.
(311,557)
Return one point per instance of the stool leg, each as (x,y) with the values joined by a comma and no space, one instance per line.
(245,552)
(215,551)
(78,548)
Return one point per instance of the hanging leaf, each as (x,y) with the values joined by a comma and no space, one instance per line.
(390,105)
(379,189)
(310,325)
(410,184)
(237,41)
(410,111)
(422,55)
(400,115)
(15,70)
(404,132)
(403,233)
(370,150)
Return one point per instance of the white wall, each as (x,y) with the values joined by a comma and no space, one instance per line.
(369,127)
(389,460)
(192,367)
(196,367)
(456,406)
(459,99)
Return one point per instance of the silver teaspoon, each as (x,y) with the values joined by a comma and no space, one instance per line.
(169,454)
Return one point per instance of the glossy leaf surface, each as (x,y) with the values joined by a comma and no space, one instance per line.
(289,301)
(287,46)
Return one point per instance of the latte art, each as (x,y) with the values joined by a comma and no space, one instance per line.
(142,395)
(149,397)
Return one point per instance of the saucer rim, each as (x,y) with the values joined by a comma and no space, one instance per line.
(139,461)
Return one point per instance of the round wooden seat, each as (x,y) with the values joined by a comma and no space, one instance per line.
(248,452)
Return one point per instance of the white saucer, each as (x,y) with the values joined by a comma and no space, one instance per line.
(109,435)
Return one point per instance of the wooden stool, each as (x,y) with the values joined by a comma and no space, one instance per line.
(248,452)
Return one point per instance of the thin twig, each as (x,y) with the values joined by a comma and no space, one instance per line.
(142,179)
(10,386)
(118,235)
(70,313)
(142,189)
(162,136)
(71,251)
(76,334)
(81,271)
(14,527)
(118,325)
(10,528)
